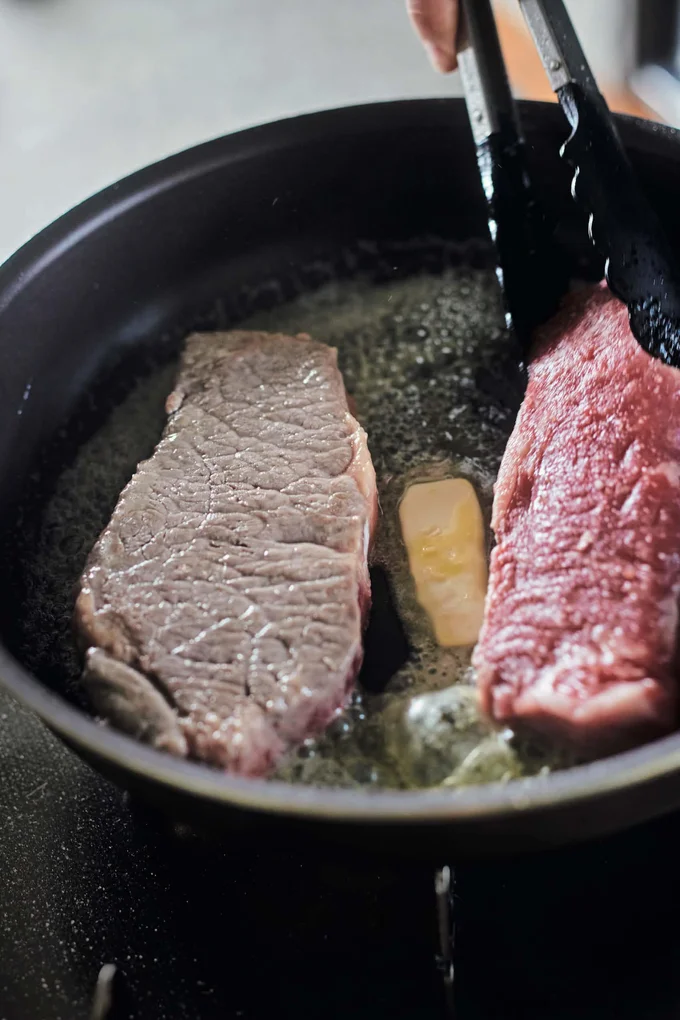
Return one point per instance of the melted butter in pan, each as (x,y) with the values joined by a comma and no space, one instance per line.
(443,531)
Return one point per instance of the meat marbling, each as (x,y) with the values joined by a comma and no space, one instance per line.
(579,640)
(222,607)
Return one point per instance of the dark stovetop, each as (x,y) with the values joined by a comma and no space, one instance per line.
(204,933)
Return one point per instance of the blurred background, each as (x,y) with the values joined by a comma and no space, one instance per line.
(93,89)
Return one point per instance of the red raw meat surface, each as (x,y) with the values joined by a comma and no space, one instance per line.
(580,632)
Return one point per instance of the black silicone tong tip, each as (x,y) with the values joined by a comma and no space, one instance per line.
(530,267)
(640,265)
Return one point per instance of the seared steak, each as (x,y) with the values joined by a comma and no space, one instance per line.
(222,606)
(580,633)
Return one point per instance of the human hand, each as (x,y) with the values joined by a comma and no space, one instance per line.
(436,21)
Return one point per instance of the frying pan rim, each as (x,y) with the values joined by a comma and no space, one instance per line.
(582,783)
(154,178)
(488,801)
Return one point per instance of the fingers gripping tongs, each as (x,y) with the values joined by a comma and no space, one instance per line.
(640,266)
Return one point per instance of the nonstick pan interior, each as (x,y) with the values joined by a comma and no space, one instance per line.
(202,240)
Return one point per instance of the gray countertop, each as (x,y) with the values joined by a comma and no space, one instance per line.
(90,90)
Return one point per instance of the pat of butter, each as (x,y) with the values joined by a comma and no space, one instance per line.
(443,530)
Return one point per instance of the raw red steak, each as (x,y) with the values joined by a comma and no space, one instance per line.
(222,606)
(580,630)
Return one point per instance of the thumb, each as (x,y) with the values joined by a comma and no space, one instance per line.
(436,21)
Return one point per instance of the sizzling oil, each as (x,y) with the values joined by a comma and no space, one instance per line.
(432,373)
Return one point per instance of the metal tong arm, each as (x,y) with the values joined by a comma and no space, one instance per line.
(640,266)
(529,266)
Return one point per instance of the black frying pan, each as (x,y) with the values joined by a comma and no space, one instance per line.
(145,258)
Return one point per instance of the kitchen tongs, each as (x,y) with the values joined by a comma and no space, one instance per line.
(528,264)
(640,266)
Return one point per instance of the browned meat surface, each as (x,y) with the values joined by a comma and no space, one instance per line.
(580,631)
(222,606)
